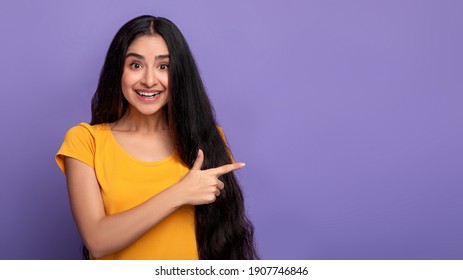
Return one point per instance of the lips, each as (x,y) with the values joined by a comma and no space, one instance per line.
(148,93)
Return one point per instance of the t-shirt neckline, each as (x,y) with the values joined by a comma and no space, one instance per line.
(128,155)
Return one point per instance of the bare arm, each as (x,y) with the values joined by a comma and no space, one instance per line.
(107,234)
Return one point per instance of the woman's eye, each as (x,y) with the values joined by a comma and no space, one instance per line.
(135,65)
(164,66)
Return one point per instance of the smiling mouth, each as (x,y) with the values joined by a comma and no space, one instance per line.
(148,94)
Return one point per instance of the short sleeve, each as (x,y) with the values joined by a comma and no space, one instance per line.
(222,134)
(220,129)
(79,143)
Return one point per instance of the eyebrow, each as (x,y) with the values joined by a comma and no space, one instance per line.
(162,56)
(139,56)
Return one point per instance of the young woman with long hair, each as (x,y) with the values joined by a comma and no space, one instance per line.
(151,177)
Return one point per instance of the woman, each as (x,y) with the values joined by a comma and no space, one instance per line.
(151,176)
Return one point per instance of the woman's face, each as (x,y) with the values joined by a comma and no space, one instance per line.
(145,77)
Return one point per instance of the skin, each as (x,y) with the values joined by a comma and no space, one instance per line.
(142,133)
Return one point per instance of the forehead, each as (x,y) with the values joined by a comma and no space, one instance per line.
(148,45)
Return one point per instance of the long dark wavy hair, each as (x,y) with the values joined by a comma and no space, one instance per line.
(223,230)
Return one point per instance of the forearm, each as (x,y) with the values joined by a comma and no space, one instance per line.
(104,234)
(108,234)
(112,233)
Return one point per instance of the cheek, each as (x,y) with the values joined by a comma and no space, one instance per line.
(126,84)
(131,75)
(124,79)
(128,79)
(164,78)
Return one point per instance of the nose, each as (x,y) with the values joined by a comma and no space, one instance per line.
(149,78)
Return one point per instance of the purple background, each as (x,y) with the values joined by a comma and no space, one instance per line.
(347,113)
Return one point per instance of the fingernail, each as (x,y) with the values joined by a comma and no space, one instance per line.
(242,164)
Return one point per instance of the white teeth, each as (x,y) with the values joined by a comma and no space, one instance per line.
(148,94)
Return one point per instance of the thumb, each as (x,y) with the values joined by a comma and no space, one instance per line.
(199,161)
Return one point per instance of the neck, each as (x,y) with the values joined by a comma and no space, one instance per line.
(137,122)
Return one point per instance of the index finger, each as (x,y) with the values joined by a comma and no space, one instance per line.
(224,169)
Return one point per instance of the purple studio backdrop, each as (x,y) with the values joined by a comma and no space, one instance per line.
(347,113)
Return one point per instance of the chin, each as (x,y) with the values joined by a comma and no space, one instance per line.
(146,111)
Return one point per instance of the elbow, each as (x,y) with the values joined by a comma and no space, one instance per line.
(95,254)
(100,242)
(96,248)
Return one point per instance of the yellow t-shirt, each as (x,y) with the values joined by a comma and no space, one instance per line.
(126,182)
